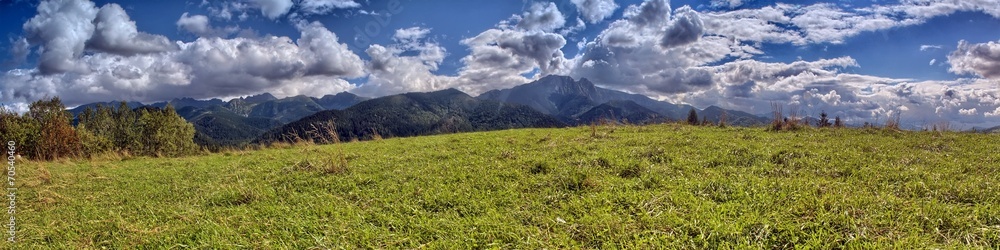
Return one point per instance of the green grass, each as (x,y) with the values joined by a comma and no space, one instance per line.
(663,186)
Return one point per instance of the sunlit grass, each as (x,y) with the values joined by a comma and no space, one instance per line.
(640,187)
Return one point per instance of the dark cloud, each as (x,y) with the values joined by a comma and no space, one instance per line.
(685,29)
(650,12)
(744,90)
(544,48)
(982,59)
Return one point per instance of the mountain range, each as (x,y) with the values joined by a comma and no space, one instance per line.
(574,102)
(411,114)
(235,123)
(552,101)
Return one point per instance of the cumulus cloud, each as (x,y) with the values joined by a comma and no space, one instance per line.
(650,12)
(542,16)
(499,57)
(200,26)
(273,9)
(115,32)
(982,59)
(320,7)
(685,29)
(326,56)
(994,113)
(315,64)
(595,11)
(393,73)
(62,28)
(644,52)
(971,111)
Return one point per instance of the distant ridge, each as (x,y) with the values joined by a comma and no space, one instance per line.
(240,120)
(571,100)
(411,114)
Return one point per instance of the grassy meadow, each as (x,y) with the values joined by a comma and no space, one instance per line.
(659,186)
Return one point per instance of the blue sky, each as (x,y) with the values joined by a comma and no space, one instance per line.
(927,61)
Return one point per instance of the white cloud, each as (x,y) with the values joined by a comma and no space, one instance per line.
(62,28)
(971,111)
(595,11)
(543,17)
(199,25)
(830,23)
(411,35)
(273,9)
(930,47)
(315,64)
(321,7)
(727,3)
(995,113)
(116,33)
(982,59)
(931,63)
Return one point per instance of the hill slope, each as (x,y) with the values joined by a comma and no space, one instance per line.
(411,114)
(630,187)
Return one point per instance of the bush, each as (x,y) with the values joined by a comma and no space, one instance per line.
(23,131)
(57,138)
(165,133)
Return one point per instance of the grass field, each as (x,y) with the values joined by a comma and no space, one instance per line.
(665,186)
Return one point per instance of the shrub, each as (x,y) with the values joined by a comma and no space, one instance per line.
(57,138)
(23,131)
(165,133)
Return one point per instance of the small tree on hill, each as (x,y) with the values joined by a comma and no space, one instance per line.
(722,119)
(824,120)
(837,123)
(692,117)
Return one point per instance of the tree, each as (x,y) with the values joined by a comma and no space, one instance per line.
(824,121)
(95,129)
(23,131)
(692,117)
(57,137)
(837,123)
(123,132)
(722,119)
(164,133)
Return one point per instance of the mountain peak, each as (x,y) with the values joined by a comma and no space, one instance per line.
(263,97)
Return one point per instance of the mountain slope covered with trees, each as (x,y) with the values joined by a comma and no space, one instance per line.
(410,114)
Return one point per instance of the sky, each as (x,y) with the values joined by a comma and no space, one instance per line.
(925,61)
